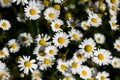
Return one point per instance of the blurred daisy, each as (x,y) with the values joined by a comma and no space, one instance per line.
(117,44)
(102,57)
(113,2)
(85,72)
(115,62)
(5,3)
(25,64)
(73,23)
(21,17)
(4,53)
(99,38)
(94,20)
(13,45)
(102,76)
(58,1)
(75,35)
(56,25)
(113,24)
(51,14)
(57,7)
(60,39)
(101,5)
(85,25)
(87,47)
(69,78)
(21,1)
(5,24)
(25,39)
(36,75)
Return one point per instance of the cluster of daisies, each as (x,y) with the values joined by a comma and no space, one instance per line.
(49,48)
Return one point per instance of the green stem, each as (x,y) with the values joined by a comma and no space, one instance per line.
(37,24)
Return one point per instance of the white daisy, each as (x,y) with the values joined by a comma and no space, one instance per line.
(75,34)
(102,57)
(69,78)
(60,39)
(25,64)
(113,24)
(36,75)
(99,38)
(5,24)
(94,20)
(56,25)
(13,45)
(5,3)
(115,62)
(4,53)
(73,23)
(113,2)
(102,76)
(25,39)
(21,1)
(21,17)
(58,1)
(85,25)
(87,47)
(51,14)
(117,44)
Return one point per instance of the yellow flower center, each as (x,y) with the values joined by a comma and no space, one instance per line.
(68,78)
(84,25)
(88,48)
(100,56)
(74,65)
(115,63)
(42,42)
(91,8)
(25,39)
(46,2)
(113,24)
(92,78)
(57,25)
(47,61)
(63,67)
(98,39)
(1,74)
(84,73)
(42,53)
(14,46)
(102,78)
(27,63)
(113,1)
(61,40)
(2,53)
(80,56)
(68,15)
(57,7)
(5,1)
(94,20)
(114,8)
(75,36)
(101,3)
(51,15)
(118,46)
(51,51)
(4,25)
(32,11)
(72,24)
(36,75)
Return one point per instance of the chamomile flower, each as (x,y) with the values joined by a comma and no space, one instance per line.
(85,72)
(102,75)
(21,17)
(42,40)
(94,20)
(99,38)
(5,3)
(115,62)
(25,39)
(20,1)
(113,2)
(5,24)
(36,75)
(113,24)
(56,25)
(87,47)
(51,14)
(4,53)
(58,1)
(117,44)
(102,57)
(25,64)
(60,39)
(32,11)
(73,23)
(13,45)
(75,35)
(51,50)
(85,25)
(69,78)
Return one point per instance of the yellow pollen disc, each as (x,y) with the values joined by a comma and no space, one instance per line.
(42,42)
(57,7)
(74,65)
(113,1)
(51,15)
(113,24)
(68,15)
(92,78)
(84,73)
(57,26)
(61,40)
(13,45)
(91,8)
(94,20)
(5,1)
(100,56)
(75,36)
(68,78)
(80,56)
(2,74)
(98,39)
(42,53)
(36,75)
(88,48)
(113,8)
(46,2)
(63,67)
(4,25)
(2,53)
(47,61)
(118,46)
(85,25)
(32,11)
(27,64)
(25,39)
(101,3)
(72,24)
(51,51)
(102,78)
(115,63)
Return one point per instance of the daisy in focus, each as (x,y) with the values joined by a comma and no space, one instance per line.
(115,62)
(25,64)
(102,76)
(99,38)
(117,44)
(5,24)
(113,24)
(4,53)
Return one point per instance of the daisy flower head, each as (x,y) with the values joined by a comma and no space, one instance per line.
(5,3)
(101,5)
(56,25)
(73,23)
(4,53)
(102,75)
(60,39)
(75,35)
(25,64)
(43,40)
(85,25)
(51,14)
(36,75)
(113,24)
(115,62)
(85,72)
(32,11)
(102,57)
(69,78)
(87,47)
(25,39)
(58,1)
(94,19)
(21,17)
(39,4)
(117,44)
(13,45)
(5,24)
(99,38)
(20,1)
(113,2)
